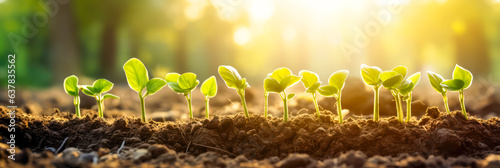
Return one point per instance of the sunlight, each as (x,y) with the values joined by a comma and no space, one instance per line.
(261,10)
(242,36)
(2,1)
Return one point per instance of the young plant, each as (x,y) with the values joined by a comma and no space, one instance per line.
(311,82)
(233,80)
(462,79)
(138,80)
(209,89)
(370,75)
(334,89)
(71,88)
(391,80)
(266,98)
(406,90)
(435,80)
(278,82)
(98,90)
(183,84)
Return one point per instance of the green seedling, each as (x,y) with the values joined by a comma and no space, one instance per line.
(266,99)
(71,88)
(98,90)
(334,89)
(138,80)
(370,75)
(435,80)
(311,82)
(462,79)
(183,84)
(233,80)
(391,80)
(209,89)
(406,90)
(278,82)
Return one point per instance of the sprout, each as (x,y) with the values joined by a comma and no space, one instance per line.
(370,75)
(278,82)
(138,79)
(183,84)
(462,79)
(233,80)
(209,89)
(97,90)
(391,80)
(406,90)
(334,89)
(435,80)
(71,88)
(311,82)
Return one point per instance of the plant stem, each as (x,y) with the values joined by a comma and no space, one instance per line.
(77,106)
(206,107)
(266,95)
(376,90)
(408,108)
(188,98)
(99,105)
(285,107)
(445,100)
(399,109)
(243,101)
(143,108)
(339,109)
(462,103)
(316,104)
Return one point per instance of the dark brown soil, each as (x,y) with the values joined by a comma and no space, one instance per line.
(228,139)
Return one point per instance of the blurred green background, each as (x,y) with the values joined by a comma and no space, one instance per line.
(56,38)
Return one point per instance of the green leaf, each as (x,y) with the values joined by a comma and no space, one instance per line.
(176,88)
(406,87)
(244,83)
(109,95)
(290,96)
(464,75)
(272,85)
(436,80)
(71,85)
(281,73)
(86,89)
(154,85)
(308,78)
(391,79)
(288,81)
(172,77)
(401,70)
(415,78)
(137,74)
(209,87)
(337,79)
(314,87)
(453,84)
(370,74)
(328,91)
(231,77)
(188,81)
(102,86)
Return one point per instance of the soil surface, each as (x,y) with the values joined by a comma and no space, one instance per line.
(437,138)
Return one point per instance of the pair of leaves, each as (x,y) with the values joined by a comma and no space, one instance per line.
(462,79)
(310,80)
(436,80)
(279,80)
(209,87)
(336,83)
(232,78)
(71,85)
(138,79)
(409,84)
(393,79)
(370,75)
(184,83)
(98,87)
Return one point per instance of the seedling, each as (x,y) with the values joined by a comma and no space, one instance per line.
(278,82)
(334,89)
(391,80)
(98,90)
(183,84)
(370,75)
(311,82)
(233,80)
(138,80)
(406,90)
(435,80)
(462,79)
(209,89)
(266,98)
(71,88)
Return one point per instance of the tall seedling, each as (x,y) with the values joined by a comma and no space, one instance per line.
(334,88)
(183,84)
(311,82)
(406,90)
(71,88)
(462,79)
(138,80)
(209,89)
(233,80)
(98,90)
(370,75)
(278,82)
(391,80)
(435,80)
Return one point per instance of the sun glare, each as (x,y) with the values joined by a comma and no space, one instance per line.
(242,36)
(261,10)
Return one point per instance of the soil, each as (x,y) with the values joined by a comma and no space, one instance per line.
(436,138)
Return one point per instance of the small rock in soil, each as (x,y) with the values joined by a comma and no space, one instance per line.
(157,150)
(71,156)
(141,155)
(297,160)
(353,158)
